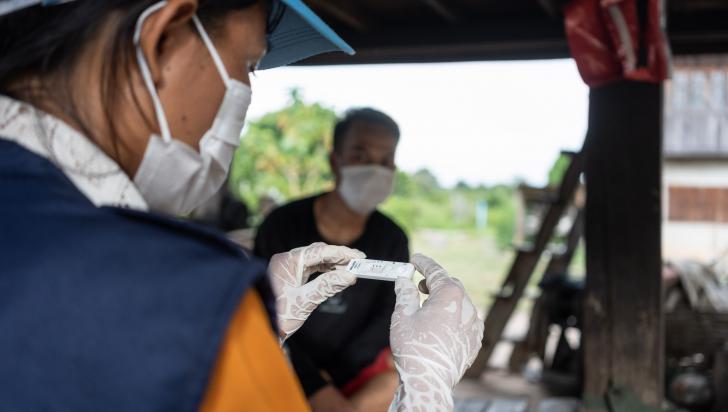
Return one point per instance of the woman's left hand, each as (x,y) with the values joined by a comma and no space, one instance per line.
(296,298)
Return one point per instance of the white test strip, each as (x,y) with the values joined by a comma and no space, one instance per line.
(380,269)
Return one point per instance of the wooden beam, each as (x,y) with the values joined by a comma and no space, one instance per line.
(553,7)
(442,10)
(496,38)
(345,11)
(559,264)
(623,321)
(690,5)
(721,378)
(489,40)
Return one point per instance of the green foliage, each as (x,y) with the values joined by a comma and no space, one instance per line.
(502,216)
(556,174)
(419,202)
(284,154)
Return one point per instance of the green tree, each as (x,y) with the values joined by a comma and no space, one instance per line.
(556,174)
(463,186)
(284,154)
(502,213)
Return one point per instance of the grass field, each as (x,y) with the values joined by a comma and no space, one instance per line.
(476,260)
(473,258)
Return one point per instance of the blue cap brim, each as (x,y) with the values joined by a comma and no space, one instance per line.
(300,34)
(11,6)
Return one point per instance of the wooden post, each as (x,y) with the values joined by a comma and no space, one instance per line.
(623,326)
(721,378)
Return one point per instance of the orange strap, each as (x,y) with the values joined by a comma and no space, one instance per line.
(251,373)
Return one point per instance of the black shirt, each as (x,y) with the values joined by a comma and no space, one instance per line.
(346,332)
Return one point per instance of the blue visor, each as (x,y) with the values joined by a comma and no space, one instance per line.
(9,6)
(295,31)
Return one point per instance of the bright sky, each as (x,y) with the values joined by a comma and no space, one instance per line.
(479,122)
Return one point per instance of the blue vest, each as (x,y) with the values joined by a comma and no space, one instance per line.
(107,309)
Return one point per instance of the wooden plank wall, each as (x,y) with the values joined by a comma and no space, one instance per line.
(624,331)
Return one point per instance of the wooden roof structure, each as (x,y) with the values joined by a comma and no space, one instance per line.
(406,31)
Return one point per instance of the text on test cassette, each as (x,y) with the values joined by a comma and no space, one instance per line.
(380,269)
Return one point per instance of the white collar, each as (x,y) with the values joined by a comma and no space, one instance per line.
(94,173)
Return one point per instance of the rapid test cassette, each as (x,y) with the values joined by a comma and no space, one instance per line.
(380,269)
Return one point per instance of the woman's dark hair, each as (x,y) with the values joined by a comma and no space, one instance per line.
(45,42)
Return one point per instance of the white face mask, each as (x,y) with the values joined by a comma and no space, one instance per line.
(173,177)
(363,188)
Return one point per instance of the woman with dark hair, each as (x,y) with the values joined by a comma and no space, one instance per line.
(116,116)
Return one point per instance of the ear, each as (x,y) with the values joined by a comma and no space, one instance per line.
(334,164)
(159,26)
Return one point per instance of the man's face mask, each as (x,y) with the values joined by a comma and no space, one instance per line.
(364,187)
(173,177)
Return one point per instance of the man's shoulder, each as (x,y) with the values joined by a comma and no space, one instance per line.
(291,212)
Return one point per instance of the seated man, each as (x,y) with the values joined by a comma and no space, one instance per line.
(341,354)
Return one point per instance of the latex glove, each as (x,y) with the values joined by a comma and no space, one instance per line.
(296,297)
(433,345)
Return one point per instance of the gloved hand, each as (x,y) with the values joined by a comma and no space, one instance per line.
(435,344)
(289,273)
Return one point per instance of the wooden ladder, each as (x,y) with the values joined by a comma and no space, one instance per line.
(524,264)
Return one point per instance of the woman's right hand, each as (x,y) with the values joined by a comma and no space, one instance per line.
(433,344)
